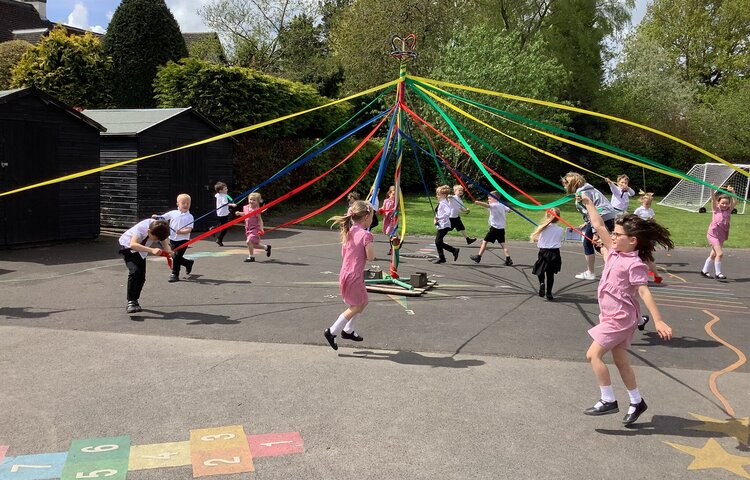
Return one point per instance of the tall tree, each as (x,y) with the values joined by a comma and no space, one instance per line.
(304,56)
(10,53)
(253,27)
(706,39)
(142,35)
(71,68)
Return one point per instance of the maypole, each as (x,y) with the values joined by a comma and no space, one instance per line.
(403,50)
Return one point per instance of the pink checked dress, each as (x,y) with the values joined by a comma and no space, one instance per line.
(388,220)
(252,225)
(718,230)
(352,274)
(619,309)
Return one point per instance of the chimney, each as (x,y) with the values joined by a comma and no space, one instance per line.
(41,7)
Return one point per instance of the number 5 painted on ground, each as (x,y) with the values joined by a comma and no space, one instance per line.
(214,462)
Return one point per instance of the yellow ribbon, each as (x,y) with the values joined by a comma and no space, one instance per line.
(201,142)
(583,111)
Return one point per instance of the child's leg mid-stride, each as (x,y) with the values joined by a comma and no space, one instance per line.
(607,403)
(252,247)
(637,404)
(345,322)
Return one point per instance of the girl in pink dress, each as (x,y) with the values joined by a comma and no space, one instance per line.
(254,227)
(356,249)
(389,205)
(718,231)
(625,274)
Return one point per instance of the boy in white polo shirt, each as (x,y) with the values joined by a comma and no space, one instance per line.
(135,244)
(180,226)
(496,233)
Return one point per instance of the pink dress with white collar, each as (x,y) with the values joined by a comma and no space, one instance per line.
(619,309)
(352,274)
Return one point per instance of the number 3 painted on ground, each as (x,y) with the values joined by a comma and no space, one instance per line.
(96,473)
(214,462)
(218,436)
(100,448)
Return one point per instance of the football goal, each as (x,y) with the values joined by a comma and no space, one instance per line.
(693,197)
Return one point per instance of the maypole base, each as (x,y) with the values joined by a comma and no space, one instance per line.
(394,286)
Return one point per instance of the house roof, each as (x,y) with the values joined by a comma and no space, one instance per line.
(138,120)
(7,96)
(21,21)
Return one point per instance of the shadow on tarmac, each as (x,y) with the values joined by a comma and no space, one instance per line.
(413,358)
(669,425)
(198,278)
(652,339)
(23,312)
(198,317)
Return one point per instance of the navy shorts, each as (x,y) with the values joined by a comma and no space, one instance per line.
(457,224)
(495,235)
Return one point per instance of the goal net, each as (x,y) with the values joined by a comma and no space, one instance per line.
(691,196)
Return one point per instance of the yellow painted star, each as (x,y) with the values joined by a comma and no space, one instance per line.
(711,455)
(738,428)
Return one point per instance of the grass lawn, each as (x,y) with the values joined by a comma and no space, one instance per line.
(687,229)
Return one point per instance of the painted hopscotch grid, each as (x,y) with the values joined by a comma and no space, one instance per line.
(210,452)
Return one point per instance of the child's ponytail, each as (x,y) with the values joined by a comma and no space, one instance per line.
(552,216)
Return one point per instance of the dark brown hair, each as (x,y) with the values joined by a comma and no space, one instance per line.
(647,233)
(159,229)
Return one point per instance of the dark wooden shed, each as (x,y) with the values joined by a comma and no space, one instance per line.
(40,139)
(138,190)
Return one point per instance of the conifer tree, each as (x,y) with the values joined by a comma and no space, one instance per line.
(142,35)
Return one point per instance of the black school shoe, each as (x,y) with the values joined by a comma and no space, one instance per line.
(642,326)
(630,418)
(331,338)
(508,262)
(189,267)
(455,254)
(268,250)
(470,240)
(550,298)
(173,278)
(706,274)
(604,409)
(351,336)
(133,307)
(721,276)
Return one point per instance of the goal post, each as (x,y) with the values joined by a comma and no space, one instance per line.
(691,196)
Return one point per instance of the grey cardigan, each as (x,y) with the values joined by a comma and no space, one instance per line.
(605,208)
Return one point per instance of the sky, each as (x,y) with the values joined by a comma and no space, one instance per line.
(96,14)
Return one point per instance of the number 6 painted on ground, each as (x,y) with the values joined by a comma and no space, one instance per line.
(100,448)
(96,473)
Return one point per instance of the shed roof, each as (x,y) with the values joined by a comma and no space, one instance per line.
(137,120)
(7,96)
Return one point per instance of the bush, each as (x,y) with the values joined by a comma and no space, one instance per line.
(71,68)
(10,53)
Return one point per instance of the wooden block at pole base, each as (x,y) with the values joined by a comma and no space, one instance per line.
(418,280)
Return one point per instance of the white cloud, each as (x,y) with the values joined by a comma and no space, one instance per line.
(186,14)
(79,17)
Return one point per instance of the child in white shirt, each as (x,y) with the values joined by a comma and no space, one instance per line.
(496,233)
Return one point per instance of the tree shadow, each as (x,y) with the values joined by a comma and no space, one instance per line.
(197,317)
(563,297)
(23,312)
(413,358)
(672,426)
(652,339)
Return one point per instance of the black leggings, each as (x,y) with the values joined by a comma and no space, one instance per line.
(178,258)
(549,283)
(222,221)
(440,244)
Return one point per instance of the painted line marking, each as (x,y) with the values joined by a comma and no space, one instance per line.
(3,451)
(700,308)
(722,303)
(742,359)
(693,293)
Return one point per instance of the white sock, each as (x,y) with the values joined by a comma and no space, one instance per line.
(338,324)
(717,266)
(635,399)
(349,328)
(607,393)
(707,265)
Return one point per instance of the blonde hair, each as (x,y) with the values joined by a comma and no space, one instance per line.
(184,196)
(443,190)
(551,216)
(391,189)
(255,196)
(357,211)
(572,181)
(458,187)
